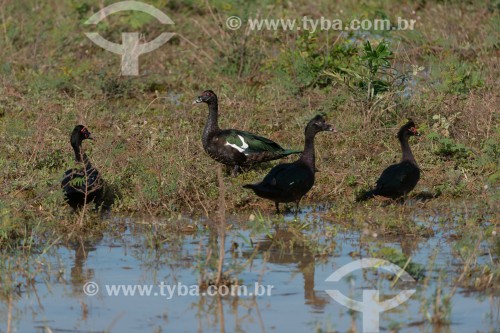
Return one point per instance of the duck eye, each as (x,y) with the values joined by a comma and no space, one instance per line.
(85,132)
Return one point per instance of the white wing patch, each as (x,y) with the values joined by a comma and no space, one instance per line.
(241,149)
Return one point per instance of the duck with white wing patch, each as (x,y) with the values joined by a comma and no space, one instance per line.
(233,147)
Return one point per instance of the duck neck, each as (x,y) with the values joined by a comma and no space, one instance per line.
(308,157)
(77,148)
(405,148)
(212,121)
(80,156)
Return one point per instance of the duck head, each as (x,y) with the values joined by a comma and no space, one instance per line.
(318,124)
(79,134)
(208,96)
(407,130)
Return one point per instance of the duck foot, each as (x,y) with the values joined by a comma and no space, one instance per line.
(277,205)
(287,209)
(425,196)
(297,210)
(236,170)
(232,171)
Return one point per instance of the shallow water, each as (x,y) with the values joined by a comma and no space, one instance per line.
(136,254)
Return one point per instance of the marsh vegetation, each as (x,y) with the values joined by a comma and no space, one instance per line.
(180,218)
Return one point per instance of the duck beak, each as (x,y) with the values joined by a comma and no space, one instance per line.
(331,129)
(90,137)
(198,100)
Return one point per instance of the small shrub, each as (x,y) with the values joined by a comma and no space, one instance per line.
(461,78)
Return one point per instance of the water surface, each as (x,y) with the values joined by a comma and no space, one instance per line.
(294,262)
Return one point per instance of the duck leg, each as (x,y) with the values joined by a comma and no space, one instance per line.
(277,205)
(235,170)
(297,211)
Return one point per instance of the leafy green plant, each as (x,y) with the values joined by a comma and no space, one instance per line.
(397,257)
(447,147)
(454,190)
(442,124)
(53,160)
(370,74)
(489,158)
(460,78)
(377,61)
(77,181)
(440,134)
(364,68)
(303,66)
(371,79)
(351,180)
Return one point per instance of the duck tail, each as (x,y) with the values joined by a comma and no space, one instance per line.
(287,152)
(250,186)
(365,195)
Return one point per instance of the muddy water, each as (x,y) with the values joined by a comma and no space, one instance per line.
(292,265)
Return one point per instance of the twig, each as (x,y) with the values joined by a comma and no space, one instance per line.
(222,222)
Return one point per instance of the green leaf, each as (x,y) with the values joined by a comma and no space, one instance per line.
(77,182)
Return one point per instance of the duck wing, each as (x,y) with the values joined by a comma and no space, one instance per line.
(397,178)
(81,181)
(288,177)
(248,143)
